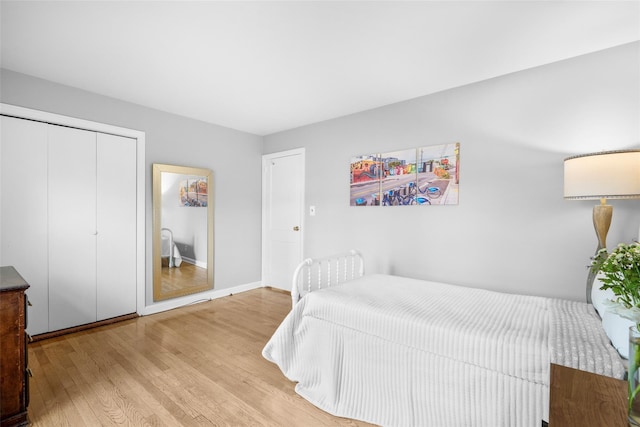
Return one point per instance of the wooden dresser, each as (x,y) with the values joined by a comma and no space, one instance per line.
(13,342)
(579,399)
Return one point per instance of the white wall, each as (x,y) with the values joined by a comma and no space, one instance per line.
(172,139)
(512,230)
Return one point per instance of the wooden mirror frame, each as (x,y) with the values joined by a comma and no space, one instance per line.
(158,169)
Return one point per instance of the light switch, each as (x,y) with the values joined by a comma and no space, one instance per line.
(312,211)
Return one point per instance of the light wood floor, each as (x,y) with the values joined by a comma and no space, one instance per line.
(195,366)
(183,277)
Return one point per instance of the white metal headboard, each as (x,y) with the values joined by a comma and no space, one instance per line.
(317,273)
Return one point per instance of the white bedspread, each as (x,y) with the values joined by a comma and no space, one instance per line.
(402,352)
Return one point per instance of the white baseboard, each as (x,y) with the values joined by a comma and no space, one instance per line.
(201,264)
(196,298)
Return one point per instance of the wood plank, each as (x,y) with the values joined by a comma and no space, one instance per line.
(199,365)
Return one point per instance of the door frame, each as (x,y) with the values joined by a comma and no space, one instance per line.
(265,196)
(139,136)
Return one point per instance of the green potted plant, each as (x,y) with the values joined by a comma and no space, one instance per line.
(620,272)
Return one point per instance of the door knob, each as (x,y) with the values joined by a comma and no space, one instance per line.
(296,228)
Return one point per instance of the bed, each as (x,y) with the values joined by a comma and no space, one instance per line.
(396,351)
(169,249)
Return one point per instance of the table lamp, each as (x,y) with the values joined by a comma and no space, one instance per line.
(604,175)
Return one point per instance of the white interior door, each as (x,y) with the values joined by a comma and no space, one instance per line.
(283,209)
(72,227)
(116,220)
(23,224)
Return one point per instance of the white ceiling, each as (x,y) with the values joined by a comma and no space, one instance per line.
(263,67)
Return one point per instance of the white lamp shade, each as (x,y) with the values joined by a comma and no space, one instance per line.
(605,175)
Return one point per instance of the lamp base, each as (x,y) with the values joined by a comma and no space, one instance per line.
(602,214)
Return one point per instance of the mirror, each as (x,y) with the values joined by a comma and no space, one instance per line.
(182,231)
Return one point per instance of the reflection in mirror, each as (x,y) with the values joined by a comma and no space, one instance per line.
(182,231)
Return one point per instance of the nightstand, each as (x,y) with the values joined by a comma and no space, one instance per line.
(579,398)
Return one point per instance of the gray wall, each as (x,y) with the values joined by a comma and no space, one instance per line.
(233,156)
(512,230)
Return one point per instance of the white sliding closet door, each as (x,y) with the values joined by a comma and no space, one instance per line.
(72,216)
(116,250)
(23,217)
(72,227)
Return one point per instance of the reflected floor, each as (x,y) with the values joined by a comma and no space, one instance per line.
(183,277)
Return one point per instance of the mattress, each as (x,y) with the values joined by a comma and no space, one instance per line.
(397,351)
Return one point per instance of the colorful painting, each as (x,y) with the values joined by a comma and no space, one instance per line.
(365,180)
(418,176)
(193,192)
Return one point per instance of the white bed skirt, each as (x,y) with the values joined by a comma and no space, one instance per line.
(402,352)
